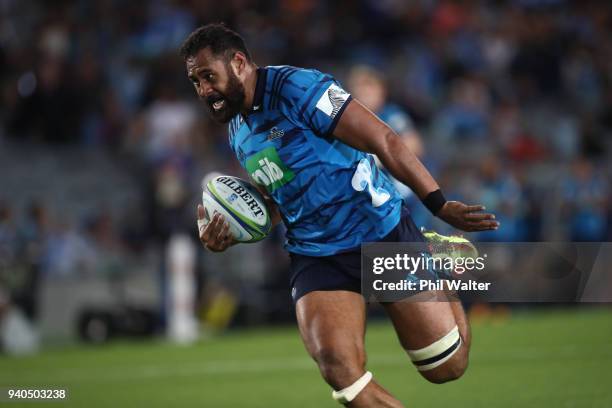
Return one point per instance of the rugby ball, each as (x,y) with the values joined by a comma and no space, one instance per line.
(240,204)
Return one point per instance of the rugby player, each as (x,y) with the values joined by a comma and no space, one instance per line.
(308,145)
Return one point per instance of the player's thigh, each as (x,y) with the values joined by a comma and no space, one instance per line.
(332,326)
(419,324)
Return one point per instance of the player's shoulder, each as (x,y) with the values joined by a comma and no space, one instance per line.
(286,79)
(288,84)
(281,75)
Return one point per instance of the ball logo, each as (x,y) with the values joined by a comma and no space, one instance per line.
(242,206)
(243,193)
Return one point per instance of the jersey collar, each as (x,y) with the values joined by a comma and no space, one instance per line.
(260,86)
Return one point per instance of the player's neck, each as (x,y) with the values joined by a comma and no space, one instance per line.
(249,89)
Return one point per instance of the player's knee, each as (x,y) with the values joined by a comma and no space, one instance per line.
(451,370)
(338,368)
(444,360)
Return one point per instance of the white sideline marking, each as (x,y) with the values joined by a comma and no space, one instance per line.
(231,367)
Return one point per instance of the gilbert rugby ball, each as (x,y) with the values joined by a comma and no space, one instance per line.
(241,205)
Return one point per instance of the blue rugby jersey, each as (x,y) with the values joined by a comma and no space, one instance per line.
(331,196)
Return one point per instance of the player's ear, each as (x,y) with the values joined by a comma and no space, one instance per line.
(238,63)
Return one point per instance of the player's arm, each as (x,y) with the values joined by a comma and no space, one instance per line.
(361,129)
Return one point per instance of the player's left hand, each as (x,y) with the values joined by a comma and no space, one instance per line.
(467,217)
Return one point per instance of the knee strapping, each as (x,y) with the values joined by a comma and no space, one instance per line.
(436,353)
(349,393)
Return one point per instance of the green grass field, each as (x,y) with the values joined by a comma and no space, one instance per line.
(543,359)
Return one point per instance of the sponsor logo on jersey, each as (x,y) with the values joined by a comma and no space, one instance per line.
(267,169)
(275,133)
(332,100)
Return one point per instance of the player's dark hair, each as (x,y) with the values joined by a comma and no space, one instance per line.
(218,37)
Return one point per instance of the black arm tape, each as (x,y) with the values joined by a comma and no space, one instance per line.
(434,201)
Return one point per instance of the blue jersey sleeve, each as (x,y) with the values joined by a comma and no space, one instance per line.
(314,100)
(232,128)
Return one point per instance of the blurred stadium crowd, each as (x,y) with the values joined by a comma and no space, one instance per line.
(103,145)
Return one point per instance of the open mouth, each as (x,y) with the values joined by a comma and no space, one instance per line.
(217,103)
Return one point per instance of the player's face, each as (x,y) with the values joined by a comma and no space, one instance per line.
(216,84)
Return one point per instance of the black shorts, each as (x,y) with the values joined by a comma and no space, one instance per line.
(342,271)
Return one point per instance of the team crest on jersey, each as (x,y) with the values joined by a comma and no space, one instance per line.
(332,100)
(275,133)
(266,168)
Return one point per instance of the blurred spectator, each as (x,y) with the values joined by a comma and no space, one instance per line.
(369,87)
(466,115)
(8,237)
(50,107)
(17,335)
(169,195)
(501,193)
(68,253)
(33,240)
(170,122)
(586,202)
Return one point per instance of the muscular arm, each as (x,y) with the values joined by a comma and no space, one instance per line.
(361,129)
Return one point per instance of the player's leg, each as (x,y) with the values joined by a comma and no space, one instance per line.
(332,325)
(435,334)
(462,321)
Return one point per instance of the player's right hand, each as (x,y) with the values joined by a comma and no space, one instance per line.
(467,217)
(215,236)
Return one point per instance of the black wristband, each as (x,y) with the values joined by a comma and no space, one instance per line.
(434,201)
